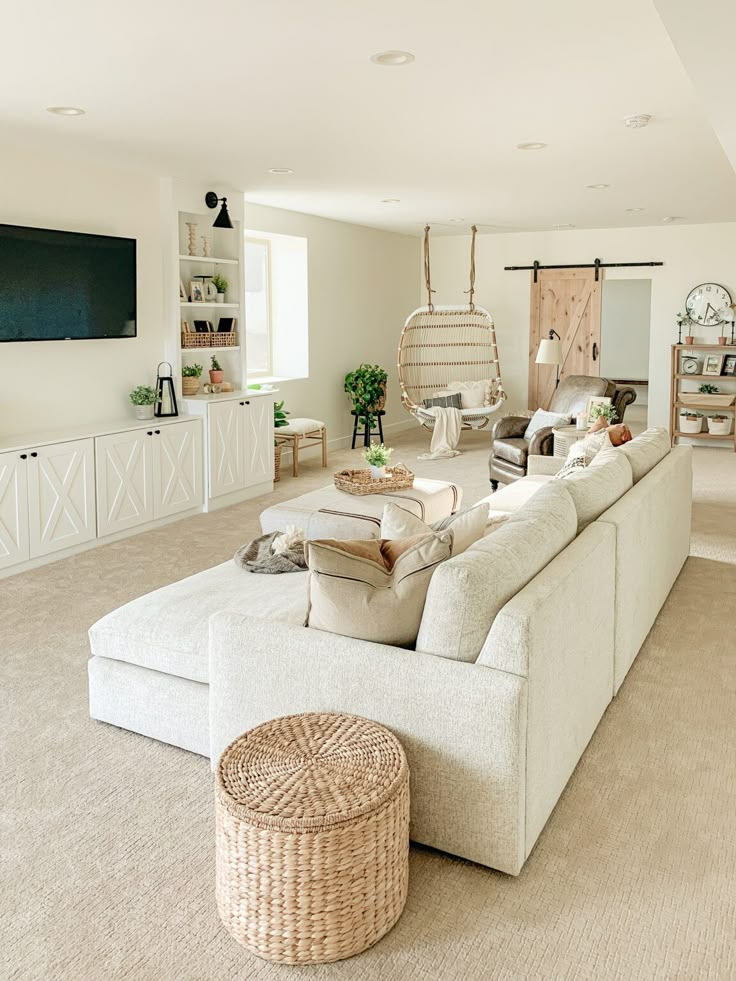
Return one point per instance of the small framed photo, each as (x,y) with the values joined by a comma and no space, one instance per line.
(196,291)
(226,325)
(592,401)
(202,327)
(713,364)
(182,291)
(729,364)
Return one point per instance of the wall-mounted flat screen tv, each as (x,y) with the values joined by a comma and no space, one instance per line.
(57,286)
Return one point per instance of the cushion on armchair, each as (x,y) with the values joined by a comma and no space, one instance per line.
(515,449)
(542,419)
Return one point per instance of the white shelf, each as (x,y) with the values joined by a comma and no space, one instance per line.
(225,306)
(229,396)
(212,260)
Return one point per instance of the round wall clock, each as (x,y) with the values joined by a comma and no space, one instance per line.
(705,304)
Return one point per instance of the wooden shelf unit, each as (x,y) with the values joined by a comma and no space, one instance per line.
(678,398)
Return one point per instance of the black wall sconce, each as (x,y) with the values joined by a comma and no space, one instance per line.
(223,219)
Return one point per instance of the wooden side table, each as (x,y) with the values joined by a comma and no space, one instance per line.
(564,437)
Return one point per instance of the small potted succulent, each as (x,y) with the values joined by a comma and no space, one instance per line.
(144,398)
(691,422)
(216,372)
(221,285)
(719,424)
(190,374)
(377,456)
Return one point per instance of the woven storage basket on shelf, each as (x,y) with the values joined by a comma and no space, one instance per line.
(312,835)
(224,339)
(277,461)
(190,339)
(360,481)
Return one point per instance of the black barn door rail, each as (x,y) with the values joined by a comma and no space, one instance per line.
(596,264)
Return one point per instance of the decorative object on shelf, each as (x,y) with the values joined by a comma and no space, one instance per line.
(196,292)
(206,251)
(729,365)
(216,371)
(729,316)
(366,387)
(377,457)
(210,290)
(191,339)
(690,365)
(690,339)
(166,400)
(682,321)
(719,425)
(360,482)
(691,422)
(707,389)
(182,291)
(223,219)
(722,339)
(144,398)
(592,403)
(221,285)
(713,364)
(190,378)
(550,352)
(192,226)
(226,325)
(581,421)
(705,304)
(202,326)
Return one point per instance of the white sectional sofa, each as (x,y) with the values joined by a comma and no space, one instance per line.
(524,639)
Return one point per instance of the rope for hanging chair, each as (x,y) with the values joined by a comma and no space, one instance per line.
(427,275)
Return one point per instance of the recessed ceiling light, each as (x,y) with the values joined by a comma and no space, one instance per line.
(638,121)
(392,59)
(280,170)
(670,218)
(457,221)
(635,209)
(390,200)
(565,225)
(597,187)
(65,110)
(530,146)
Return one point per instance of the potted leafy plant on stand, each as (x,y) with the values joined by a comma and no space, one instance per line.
(366,387)
(190,374)
(377,457)
(144,398)
(221,285)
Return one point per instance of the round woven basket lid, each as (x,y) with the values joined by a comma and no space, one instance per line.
(303,772)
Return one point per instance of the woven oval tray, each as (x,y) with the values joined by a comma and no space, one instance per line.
(361,482)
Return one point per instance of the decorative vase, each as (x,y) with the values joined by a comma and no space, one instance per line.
(220,297)
(694,425)
(144,412)
(189,385)
(719,427)
(192,226)
(722,340)
(377,473)
(205,246)
(689,339)
(216,377)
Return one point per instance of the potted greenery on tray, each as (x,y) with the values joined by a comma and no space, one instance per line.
(190,374)
(691,422)
(366,387)
(377,457)
(144,398)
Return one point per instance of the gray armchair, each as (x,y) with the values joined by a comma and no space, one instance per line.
(510,450)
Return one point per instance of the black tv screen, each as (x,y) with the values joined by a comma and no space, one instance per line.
(58,286)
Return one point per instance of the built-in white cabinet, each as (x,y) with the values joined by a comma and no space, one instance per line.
(146,474)
(47,500)
(240,444)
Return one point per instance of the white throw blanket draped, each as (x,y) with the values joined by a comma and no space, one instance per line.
(446,432)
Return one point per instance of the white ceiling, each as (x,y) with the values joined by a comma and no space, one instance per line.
(224,92)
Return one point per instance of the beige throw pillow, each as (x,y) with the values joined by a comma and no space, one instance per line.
(472,394)
(646,450)
(373,590)
(597,487)
(466,526)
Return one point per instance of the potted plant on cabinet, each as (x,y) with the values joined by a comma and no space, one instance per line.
(719,425)
(190,374)
(216,372)
(377,456)
(144,398)
(366,387)
(221,285)
(691,422)
(279,420)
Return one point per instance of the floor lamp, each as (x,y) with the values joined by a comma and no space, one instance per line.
(550,352)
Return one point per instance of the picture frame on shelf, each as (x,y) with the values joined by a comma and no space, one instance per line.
(227,325)
(713,364)
(185,327)
(595,400)
(729,365)
(203,327)
(182,291)
(196,291)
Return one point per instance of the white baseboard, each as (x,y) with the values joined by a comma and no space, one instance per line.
(345,442)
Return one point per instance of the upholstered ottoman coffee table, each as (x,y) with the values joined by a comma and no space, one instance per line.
(331,513)
(312,836)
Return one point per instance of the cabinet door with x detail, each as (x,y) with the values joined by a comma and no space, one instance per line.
(61,496)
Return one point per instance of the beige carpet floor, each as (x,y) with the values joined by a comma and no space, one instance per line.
(107,837)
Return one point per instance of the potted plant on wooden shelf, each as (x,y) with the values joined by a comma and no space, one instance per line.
(690,422)
(190,374)
(377,457)
(221,285)
(719,425)
(216,372)
(144,398)
(366,387)
(279,420)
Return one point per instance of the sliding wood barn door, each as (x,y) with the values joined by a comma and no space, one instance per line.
(568,301)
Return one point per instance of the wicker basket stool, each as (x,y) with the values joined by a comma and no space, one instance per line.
(312,834)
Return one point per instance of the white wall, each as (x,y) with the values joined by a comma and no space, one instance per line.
(53,384)
(692,254)
(362,286)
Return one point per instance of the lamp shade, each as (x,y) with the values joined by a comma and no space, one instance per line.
(550,351)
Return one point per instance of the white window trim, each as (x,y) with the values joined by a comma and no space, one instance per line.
(267,372)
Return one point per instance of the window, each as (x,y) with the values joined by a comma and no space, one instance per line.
(258,306)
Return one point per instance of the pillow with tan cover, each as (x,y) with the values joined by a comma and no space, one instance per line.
(466,526)
(373,590)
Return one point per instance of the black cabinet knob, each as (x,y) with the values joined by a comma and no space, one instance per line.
(158,432)
(24,456)
(149,433)
(34,453)
(242,403)
(247,403)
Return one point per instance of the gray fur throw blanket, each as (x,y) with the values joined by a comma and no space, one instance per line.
(274,553)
